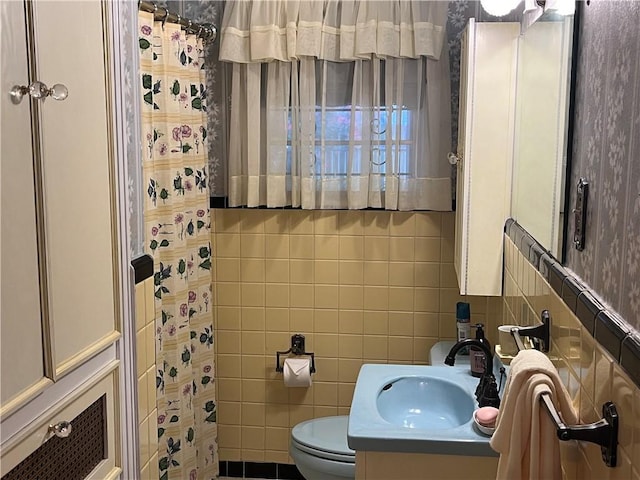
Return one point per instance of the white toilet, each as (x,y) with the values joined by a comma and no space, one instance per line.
(319,449)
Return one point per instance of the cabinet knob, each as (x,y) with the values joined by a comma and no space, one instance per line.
(39,91)
(61,429)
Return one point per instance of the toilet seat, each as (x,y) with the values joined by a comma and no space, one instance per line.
(324,438)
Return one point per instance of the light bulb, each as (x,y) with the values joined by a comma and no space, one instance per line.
(499,8)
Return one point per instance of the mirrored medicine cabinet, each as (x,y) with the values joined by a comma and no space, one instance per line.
(540,147)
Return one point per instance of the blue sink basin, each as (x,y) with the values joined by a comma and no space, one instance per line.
(416,409)
(425,402)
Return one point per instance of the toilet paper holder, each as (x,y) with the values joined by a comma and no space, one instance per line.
(297,348)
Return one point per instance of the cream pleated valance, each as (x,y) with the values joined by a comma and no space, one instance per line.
(256,31)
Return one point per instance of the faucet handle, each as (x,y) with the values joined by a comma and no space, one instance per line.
(482,384)
(489,396)
(480,388)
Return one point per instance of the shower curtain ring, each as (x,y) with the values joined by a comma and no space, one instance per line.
(189,26)
(166,15)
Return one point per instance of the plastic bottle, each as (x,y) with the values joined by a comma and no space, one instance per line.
(463,322)
(478,360)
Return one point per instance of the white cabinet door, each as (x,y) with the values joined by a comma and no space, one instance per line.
(485,150)
(59,256)
(78,181)
(21,359)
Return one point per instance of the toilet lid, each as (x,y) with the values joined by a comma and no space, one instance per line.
(328,434)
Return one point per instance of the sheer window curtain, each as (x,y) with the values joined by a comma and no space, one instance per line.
(338,104)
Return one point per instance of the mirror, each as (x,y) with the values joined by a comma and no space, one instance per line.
(541,126)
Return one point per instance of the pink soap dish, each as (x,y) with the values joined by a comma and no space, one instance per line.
(485,419)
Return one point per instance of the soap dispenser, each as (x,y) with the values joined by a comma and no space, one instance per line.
(477,356)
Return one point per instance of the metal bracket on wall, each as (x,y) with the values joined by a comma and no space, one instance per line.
(540,333)
(580,214)
(604,432)
(297,348)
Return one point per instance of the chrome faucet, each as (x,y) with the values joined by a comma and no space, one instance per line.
(487,391)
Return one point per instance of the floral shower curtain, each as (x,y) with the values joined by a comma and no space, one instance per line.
(177,226)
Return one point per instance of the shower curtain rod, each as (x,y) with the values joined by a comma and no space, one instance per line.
(207,31)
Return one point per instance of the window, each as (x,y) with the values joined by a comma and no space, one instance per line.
(333,145)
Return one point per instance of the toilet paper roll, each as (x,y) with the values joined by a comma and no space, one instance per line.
(297,372)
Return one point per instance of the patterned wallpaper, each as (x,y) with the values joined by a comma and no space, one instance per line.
(460,11)
(204,11)
(131,114)
(606,151)
(218,75)
(210,11)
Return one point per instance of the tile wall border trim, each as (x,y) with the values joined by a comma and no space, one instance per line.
(280,471)
(142,267)
(605,325)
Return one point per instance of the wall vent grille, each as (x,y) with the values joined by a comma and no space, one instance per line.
(71,458)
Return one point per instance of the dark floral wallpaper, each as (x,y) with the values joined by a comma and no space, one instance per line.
(210,11)
(203,11)
(128,32)
(218,73)
(460,11)
(606,152)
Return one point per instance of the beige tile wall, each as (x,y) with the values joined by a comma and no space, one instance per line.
(363,287)
(146,365)
(591,376)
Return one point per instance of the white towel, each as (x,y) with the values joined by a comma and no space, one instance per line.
(525,435)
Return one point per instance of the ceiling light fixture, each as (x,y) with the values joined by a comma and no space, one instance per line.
(499,8)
